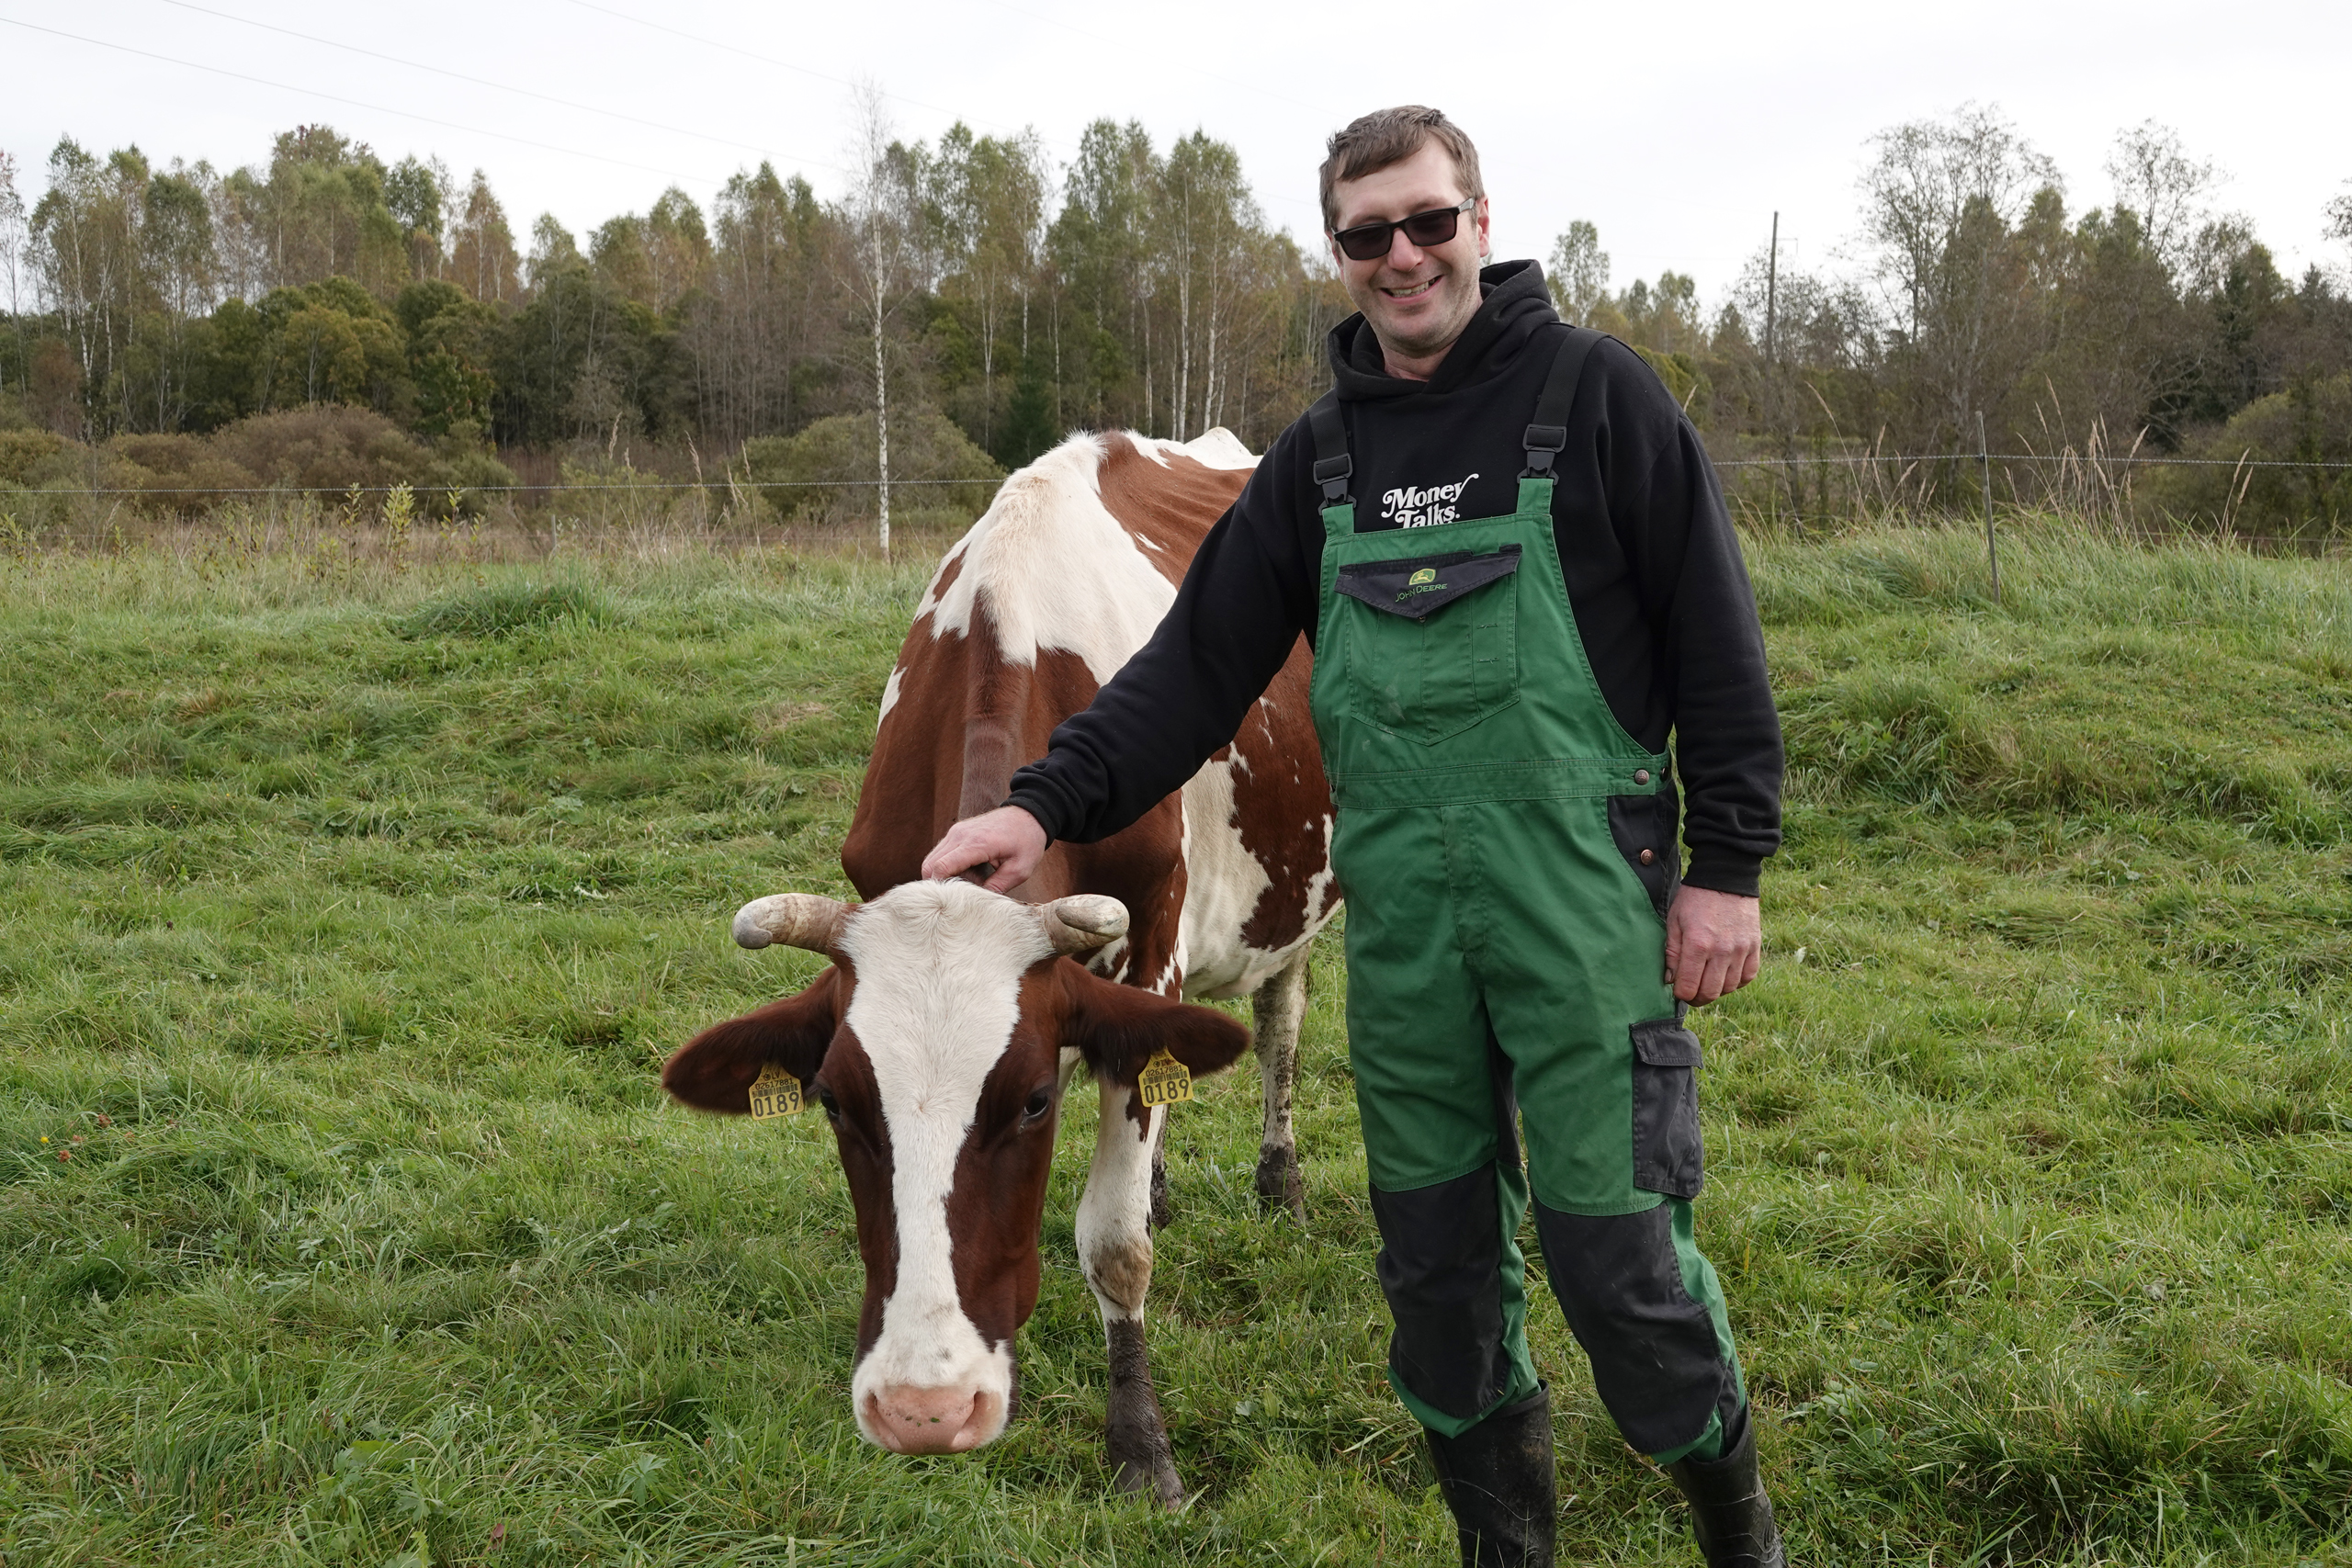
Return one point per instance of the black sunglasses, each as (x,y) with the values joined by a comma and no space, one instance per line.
(1370,242)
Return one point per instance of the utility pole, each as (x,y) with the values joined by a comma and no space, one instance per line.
(1772,370)
(1985,461)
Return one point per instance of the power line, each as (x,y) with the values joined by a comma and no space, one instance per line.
(359,104)
(498,86)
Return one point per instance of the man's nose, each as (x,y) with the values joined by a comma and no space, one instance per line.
(1403,254)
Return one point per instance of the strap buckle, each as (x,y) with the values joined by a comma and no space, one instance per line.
(1332,473)
(1543,442)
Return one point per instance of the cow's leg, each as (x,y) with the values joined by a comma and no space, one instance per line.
(1278,1008)
(1161,1215)
(1114,1250)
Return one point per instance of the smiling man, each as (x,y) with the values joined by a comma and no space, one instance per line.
(1529,616)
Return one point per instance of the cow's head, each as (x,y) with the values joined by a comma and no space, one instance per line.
(938,1045)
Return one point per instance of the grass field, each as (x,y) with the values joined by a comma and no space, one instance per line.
(348,915)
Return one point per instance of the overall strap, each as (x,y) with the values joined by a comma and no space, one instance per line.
(1332,464)
(1548,433)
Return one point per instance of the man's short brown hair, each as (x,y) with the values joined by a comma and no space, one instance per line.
(1373,141)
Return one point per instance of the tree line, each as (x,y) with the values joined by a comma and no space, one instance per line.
(981,299)
(968,279)
(2154,327)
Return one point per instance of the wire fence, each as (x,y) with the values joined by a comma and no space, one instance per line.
(1898,459)
(1917,460)
(166,487)
(2304,504)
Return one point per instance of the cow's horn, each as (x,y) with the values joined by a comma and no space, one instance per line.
(795,919)
(1083,921)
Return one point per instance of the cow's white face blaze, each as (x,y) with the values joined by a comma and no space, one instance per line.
(936,1006)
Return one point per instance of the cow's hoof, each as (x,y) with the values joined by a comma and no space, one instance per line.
(1280,1184)
(1157,1480)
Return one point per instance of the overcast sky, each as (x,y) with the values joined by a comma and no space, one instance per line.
(1677,130)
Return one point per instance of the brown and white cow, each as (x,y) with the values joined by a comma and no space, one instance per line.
(1055,588)
(940,1041)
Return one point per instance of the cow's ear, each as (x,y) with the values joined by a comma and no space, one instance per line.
(714,1071)
(1119,1028)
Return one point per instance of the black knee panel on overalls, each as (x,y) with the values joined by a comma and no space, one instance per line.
(1440,1267)
(1657,1360)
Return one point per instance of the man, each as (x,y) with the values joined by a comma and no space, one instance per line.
(1510,553)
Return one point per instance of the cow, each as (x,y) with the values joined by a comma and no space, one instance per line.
(942,1037)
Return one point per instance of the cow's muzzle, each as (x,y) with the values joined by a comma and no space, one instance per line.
(910,1420)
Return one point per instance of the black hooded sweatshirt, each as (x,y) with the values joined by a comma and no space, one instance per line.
(1652,566)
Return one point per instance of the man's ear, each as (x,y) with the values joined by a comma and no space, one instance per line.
(1119,1028)
(714,1071)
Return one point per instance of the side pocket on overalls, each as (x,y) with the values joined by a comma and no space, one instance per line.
(1666,1156)
(1643,826)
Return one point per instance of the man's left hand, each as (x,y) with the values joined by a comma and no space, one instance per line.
(1715,942)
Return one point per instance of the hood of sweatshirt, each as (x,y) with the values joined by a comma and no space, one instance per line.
(1516,305)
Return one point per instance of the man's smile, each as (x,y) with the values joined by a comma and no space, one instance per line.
(1412,292)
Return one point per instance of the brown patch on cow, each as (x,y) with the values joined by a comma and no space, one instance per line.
(945,578)
(861,1136)
(1120,1027)
(1168,507)
(714,1071)
(996,702)
(965,718)
(999,1195)
(1281,800)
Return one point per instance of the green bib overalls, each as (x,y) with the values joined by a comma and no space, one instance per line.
(1507,852)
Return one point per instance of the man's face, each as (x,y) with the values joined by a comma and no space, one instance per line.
(1418,300)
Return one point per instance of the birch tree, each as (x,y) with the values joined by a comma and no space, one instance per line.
(11,252)
(883,217)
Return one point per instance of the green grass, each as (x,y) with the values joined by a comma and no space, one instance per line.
(346,915)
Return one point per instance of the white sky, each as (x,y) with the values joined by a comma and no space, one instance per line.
(1678,130)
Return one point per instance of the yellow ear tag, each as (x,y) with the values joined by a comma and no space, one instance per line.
(775,1093)
(1164,1081)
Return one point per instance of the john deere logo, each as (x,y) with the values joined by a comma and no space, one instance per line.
(1422,581)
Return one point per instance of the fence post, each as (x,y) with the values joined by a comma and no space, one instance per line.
(1984,463)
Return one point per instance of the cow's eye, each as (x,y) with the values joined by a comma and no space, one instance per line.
(825,1100)
(1039,1103)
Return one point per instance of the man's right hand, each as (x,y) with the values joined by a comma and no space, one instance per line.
(1008,838)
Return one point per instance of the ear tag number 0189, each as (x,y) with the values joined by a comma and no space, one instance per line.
(775,1093)
(1164,1081)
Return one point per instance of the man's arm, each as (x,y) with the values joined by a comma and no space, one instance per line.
(1245,597)
(1726,726)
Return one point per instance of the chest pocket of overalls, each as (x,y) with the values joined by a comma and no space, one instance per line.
(1432,640)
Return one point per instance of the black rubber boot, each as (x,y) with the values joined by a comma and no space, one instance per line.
(1729,1513)
(1497,1477)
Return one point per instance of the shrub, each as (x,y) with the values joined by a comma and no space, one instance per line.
(2302,429)
(802,476)
(22,450)
(328,447)
(175,472)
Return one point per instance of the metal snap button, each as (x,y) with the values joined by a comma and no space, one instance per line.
(1641,775)
(1649,855)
